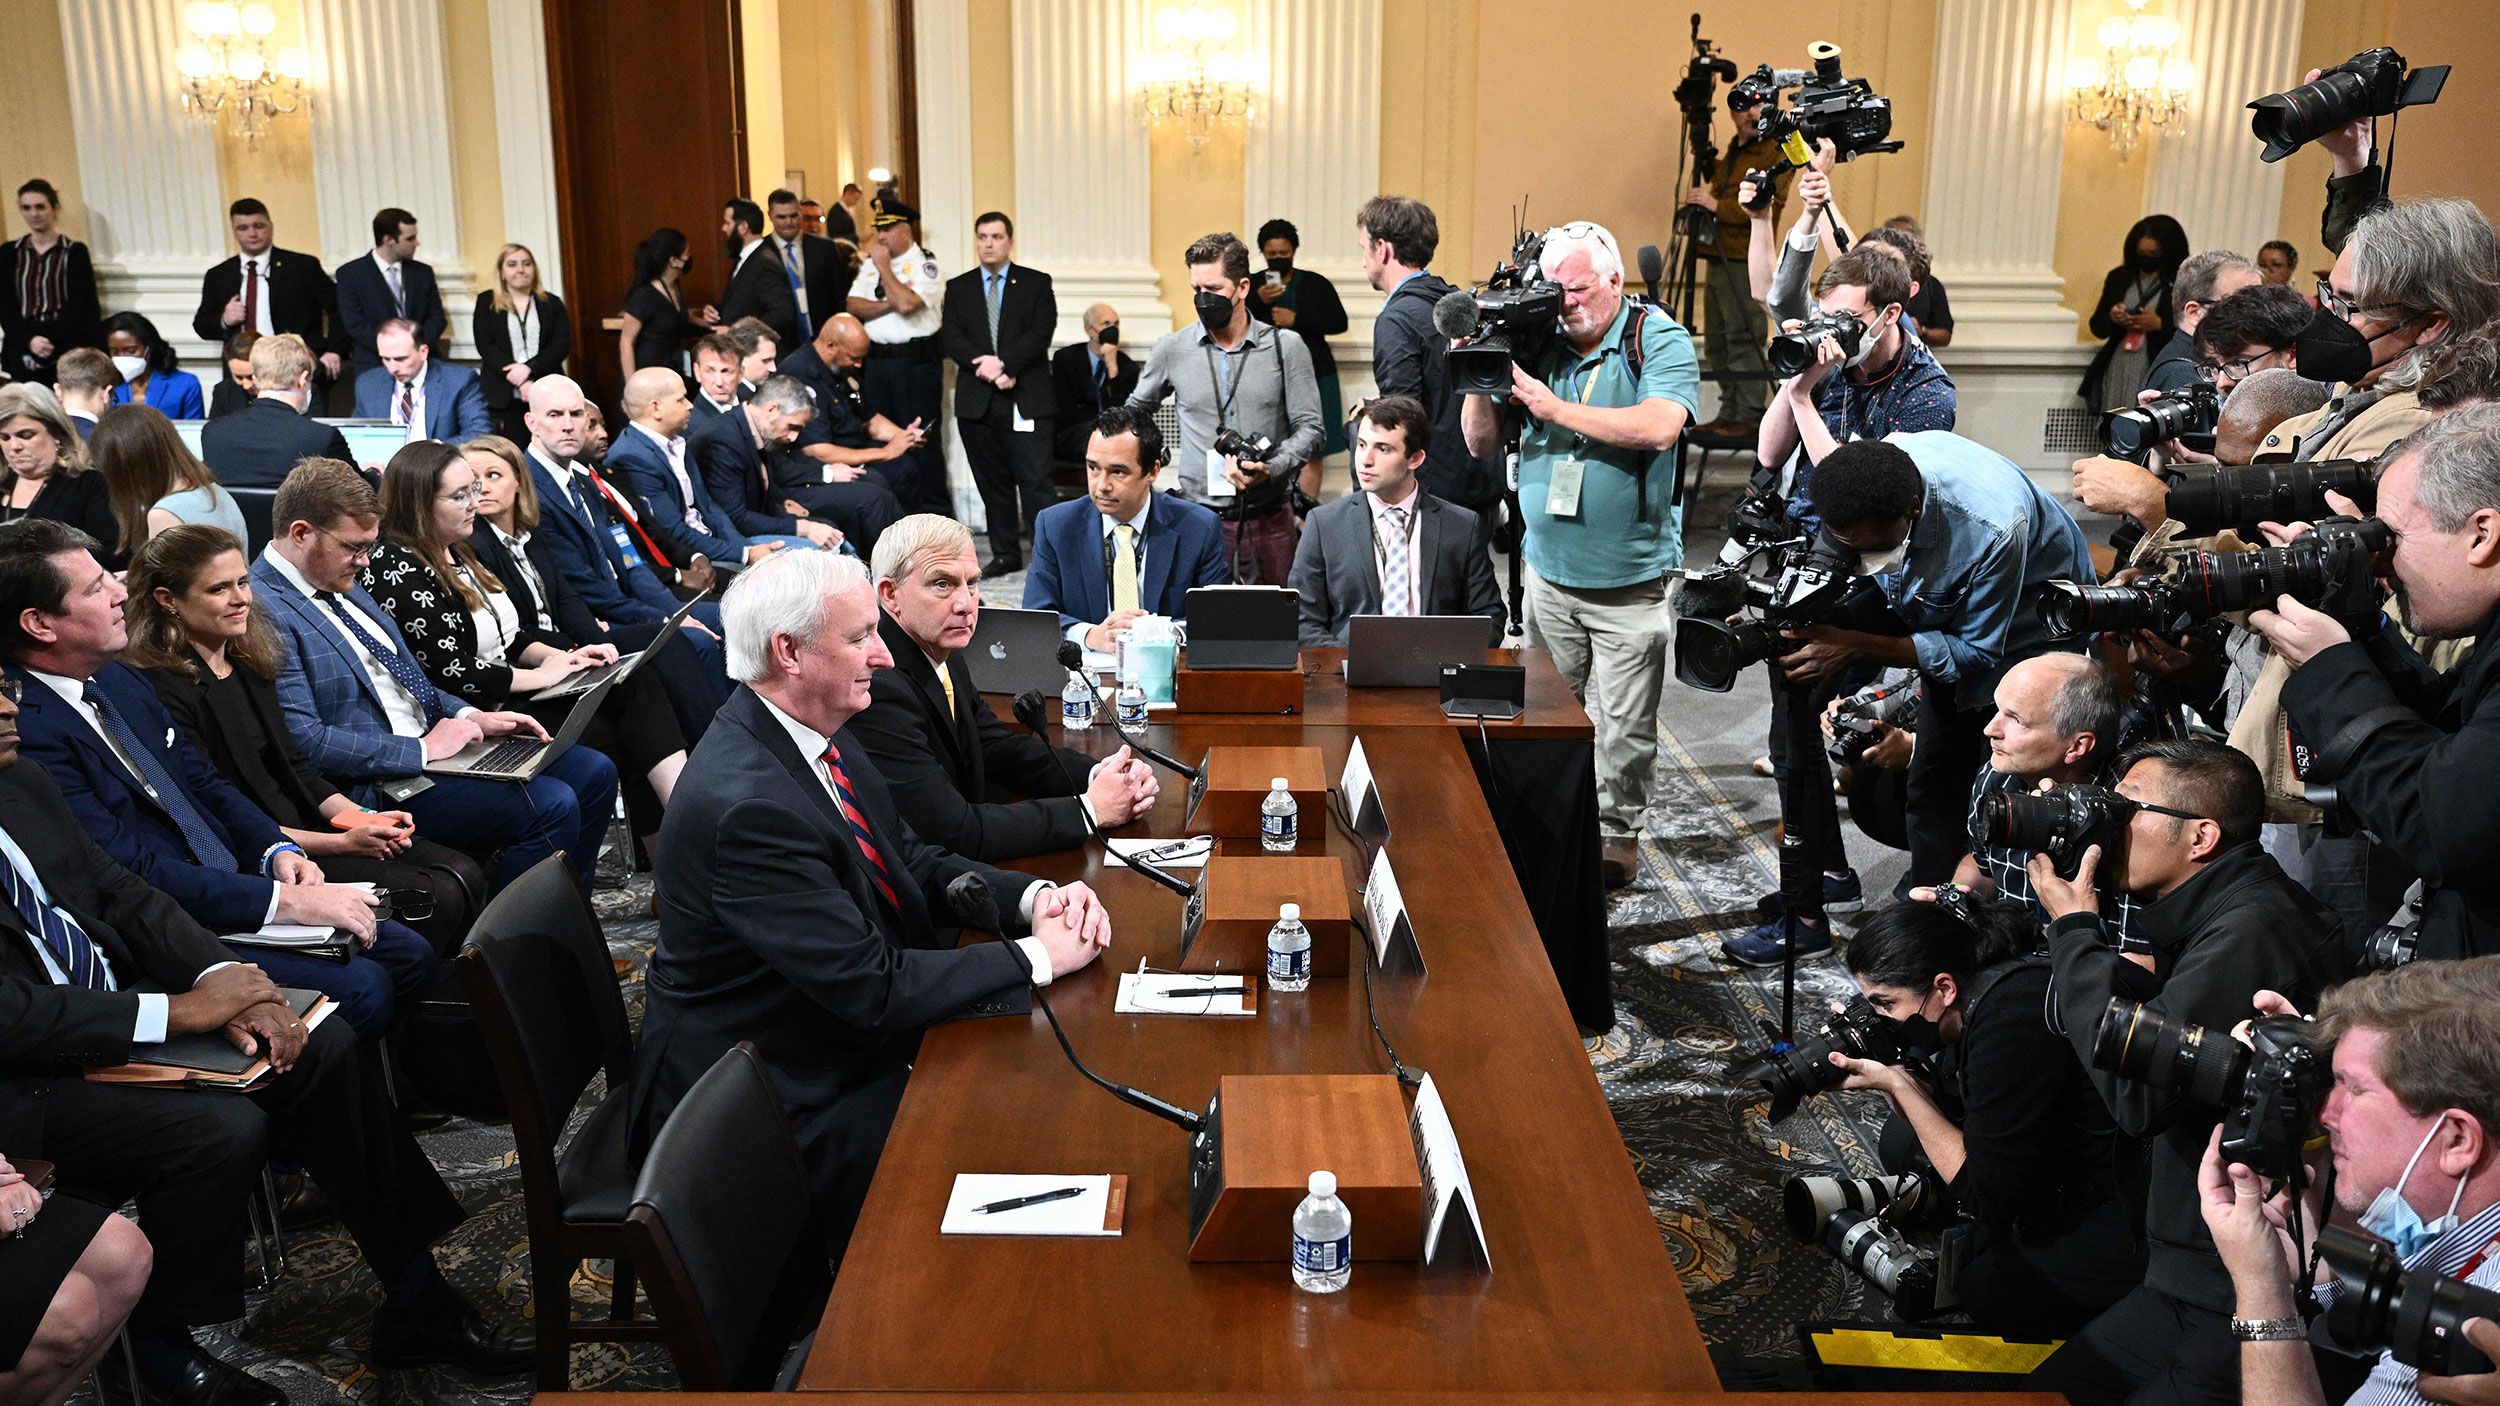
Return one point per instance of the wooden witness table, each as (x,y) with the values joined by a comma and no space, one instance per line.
(1582,1297)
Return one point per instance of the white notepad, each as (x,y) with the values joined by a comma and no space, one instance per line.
(1097,1211)
(1159,993)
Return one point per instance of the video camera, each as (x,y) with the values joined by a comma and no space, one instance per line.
(2333,567)
(2418,1317)
(1703,76)
(2241,496)
(1509,318)
(2190,412)
(1789,1074)
(2372,83)
(1826,107)
(1779,577)
(2269,1090)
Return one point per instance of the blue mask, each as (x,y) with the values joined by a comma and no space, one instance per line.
(2392,1218)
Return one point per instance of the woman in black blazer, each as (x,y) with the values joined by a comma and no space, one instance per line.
(44,472)
(522,333)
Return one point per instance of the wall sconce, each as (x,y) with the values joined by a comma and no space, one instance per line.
(2138,83)
(1194,80)
(229,67)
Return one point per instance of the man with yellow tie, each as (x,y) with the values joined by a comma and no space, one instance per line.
(1124,550)
(941,749)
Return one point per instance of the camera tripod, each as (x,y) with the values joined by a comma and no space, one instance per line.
(1697,158)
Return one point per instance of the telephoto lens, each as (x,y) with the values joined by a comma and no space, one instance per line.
(2136,1042)
(2241,496)
(2071,609)
(1886,1259)
(2061,822)
(1793,352)
(2333,568)
(2372,83)
(2192,409)
(1810,1202)
(1806,1068)
(2419,1317)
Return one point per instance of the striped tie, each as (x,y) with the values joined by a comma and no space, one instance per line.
(69,945)
(848,800)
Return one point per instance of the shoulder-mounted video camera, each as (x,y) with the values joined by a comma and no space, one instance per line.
(1509,318)
(1846,112)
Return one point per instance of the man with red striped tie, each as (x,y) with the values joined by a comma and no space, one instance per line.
(798,911)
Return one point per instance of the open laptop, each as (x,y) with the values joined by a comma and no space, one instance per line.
(1244,627)
(519,758)
(1407,651)
(1013,650)
(371,443)
(625,664)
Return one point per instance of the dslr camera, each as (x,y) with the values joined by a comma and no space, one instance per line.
(2190,412)
(2333,568)
(2240,496)
(2269,1090)
(1793,352)
(1790,1073)
(2419,1317)
(1257,448)
(1777,577)
(2373,83)
(2061,822)
(2397,940)
(1509,318)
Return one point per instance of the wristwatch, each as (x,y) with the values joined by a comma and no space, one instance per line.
(2269,1330)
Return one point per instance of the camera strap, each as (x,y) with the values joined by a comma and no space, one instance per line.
(2328,763)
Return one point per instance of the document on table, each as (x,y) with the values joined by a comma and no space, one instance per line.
(1186,993)
(1099,1207)
(1189,852)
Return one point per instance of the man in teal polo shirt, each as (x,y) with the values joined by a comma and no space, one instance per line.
(1601,419)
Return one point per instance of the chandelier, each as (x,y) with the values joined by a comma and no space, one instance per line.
(230,68)
(1194,82)
(2137,84)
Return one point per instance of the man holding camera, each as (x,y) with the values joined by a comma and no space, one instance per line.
(2414,1121)
(1733,329)
(2224,923)
(1602,413)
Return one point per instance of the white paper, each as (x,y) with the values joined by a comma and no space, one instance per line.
(1190,853)
(1218,486)
(1382,903)
(1151,993)
(1076,1215)
(1445,1177)
(287,935)
(1021,423)
(1098,663)
(1356,783)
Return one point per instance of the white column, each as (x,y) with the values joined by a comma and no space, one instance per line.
(525,137)
(2207,174)
(147,172)
(1084,192)
(1313,157)
(381,137)
(942,187)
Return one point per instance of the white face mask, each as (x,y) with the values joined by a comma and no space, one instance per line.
(131,367)
(1877,563)
(1867,344)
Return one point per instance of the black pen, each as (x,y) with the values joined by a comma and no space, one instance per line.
(1017,1203)
(1175,992)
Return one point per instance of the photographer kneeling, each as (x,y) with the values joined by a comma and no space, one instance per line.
(2030,1156)
(2414,1119)
(2225,924)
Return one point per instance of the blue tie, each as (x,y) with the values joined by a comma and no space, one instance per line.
(207,849)
(407,673)
(70,947)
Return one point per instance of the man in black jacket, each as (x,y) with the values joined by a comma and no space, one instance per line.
(260,444)
(2411,752)
(996,325)
(271,291)
(1090,376)
(1410,356)
(2225,923)
(949,760)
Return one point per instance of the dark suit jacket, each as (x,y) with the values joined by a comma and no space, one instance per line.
(734,472)
(84,501)
(81,312)
(771,930)
(224,398)
(1028,316)
(1072,374)
(365,304)
(638,466)
(131,825)
(823,269)
(759,289)
(455,403)
(302,300)
(260,444)
(1336,569)
(573,619)
(586,553)
(48,1029)
(1184,546)
(494,345)
(952,774)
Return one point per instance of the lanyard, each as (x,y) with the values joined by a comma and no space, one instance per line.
(1227,385)
(2466,1270)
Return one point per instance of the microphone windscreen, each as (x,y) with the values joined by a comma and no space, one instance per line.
(1071,655)
(970,896)
(1032,708)
(1653,264)
(1456,315)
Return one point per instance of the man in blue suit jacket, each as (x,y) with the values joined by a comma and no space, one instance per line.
(443,401)
(651,459)
(362,709)
(142,792)
(744,456)
(367,298)
(1172,545)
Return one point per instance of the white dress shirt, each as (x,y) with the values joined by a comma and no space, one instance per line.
(406,714)
(260,310)
(154,1007)
(917,269)
(787,253)
(518,544)
(416,407)
(674,451)
(1413,507)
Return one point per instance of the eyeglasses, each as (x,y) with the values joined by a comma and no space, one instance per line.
(2239,367)
(465,497)
(356,551)
(12,689)
(2346,308)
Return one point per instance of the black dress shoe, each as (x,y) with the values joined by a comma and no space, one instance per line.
(202,1380)
(302,1205)
(459,1338)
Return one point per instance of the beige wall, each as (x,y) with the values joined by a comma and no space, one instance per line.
(2446,148)
(1427,123)
(477,169)
(991,62)
(36,140)
(825,94)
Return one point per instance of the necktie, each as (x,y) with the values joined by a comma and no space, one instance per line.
(207,850)
(1395,592)
(398,665)
(946,682)
(798,289)
(996,284)
(251,293)
(407,412)
(1124,568)
(69,945)
(676,451)
(399,297)
(848,800)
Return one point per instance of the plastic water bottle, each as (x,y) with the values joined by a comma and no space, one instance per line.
(1288,951)
(1279,819)
(1076,704)
(1131,706)
(1323,1238)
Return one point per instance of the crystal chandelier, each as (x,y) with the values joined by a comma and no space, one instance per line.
(1195,82)
(2138,84)
(230,68)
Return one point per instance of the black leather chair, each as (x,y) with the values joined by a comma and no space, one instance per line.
(551,1016)
(733,1280)
(256,505)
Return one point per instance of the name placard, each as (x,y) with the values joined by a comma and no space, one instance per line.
(1358,796)
(1453,1232)
(1385,919)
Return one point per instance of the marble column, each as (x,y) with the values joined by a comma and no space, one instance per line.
(1084,196)
(1313,157)
(942,187)
(147,172)
(2206,173)
(382,137)
(525,137)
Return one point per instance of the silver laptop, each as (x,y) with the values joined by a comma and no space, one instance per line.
(519,758)
(1013,650)
(624,666)
(1407,651)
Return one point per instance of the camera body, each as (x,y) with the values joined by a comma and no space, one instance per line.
(2192,409)
(2333,568)
(1518,311)
(1851,736)
(1793,352)
(1788,1075)
(2061,822)
(2397,940)
(2269,1090)
(2240,496)
(2372,83)
(1779,578)
(1257,448)
(2418,1317)
(1826,107)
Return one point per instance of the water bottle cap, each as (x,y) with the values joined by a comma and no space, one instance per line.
(1278,785)
(1289,912)
(1323,1184)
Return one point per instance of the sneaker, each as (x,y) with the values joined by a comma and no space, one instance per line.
(1841,894)
(1762,767)
(1766,946)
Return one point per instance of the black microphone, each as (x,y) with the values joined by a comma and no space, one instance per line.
(973,900)
(1032,708)
(1653,268)
(1164,877)
(1456,315)
(1071,658)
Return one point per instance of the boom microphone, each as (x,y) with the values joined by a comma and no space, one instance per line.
(973,900)
(1164,877)
(1456,314)
(1653,268)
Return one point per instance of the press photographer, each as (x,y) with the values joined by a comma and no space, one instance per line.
(1733,330)
(1597,413)
(2207,278)
(2410,753)
(2414,1121)
(2180,831)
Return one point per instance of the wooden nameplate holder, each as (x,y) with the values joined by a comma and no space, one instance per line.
(1237,690)
(1233,781)
(1236,903)
(1266,1134)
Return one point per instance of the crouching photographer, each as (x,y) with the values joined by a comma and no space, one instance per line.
(2180,833)
(2414,1121)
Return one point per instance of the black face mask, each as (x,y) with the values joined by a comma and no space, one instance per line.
(2332,350)
(1282,268)
(1215,311)
(1916,1032)
(1109,336)
(2147,261)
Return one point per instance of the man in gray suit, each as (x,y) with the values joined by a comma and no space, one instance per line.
(1390,548)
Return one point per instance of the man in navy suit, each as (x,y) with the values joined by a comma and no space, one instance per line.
(746,461)
(798,911)
(387,284)
(996,327)
(814,266)
(154,803)
(1123,550)
(651,459)
(434,399)
(260,444)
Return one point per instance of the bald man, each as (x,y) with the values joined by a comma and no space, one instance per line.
(1090,375)
(649,461)
(2258,404)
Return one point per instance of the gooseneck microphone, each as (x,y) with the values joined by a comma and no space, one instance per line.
(1653,268)
(973,901)
(1165,877)
(1072,659)
(1032,708)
